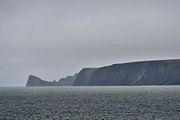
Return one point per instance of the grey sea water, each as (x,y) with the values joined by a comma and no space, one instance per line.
(90,103)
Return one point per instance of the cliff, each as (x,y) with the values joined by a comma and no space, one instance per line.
(68,81)
(162,72)
(84,77)
(35,81)
(159,72)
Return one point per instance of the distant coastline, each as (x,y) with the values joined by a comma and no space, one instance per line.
(155,72)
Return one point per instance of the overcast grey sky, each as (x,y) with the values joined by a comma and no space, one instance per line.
(55,38)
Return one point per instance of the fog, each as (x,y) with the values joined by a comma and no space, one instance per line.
(55,38)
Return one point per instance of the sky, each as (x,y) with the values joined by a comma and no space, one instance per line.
(55,38)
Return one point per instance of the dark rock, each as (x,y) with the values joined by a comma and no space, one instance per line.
(161,72)
(68,81)
(35,81)
(84,77)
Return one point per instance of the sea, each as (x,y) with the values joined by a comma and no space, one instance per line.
(90,103)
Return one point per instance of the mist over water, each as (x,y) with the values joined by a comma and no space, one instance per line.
(90,103)
(53,39)
(56,38)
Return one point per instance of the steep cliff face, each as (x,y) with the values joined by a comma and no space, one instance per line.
(84,77)
(35,81)
(162,72)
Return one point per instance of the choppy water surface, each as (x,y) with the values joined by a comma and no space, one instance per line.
(90,103)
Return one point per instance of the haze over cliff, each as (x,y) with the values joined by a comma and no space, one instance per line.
(35,81)
(159,72)
(55,38)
